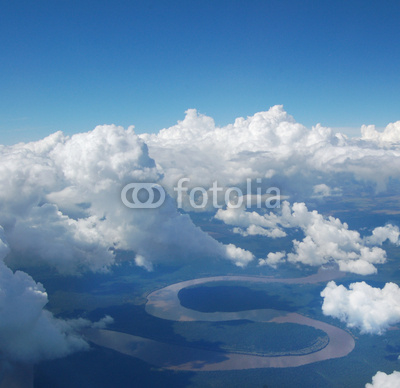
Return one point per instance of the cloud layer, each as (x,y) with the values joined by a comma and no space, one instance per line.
(271,145)
(59,197)
(326,239)
(372,310)
(60,205)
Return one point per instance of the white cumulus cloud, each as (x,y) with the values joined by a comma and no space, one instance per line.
(372,310)
(273,259)
(272,146)
(60,203)
(326,239)
(383,380)
(391,134)
(383,233)
(28,332)
(240,256)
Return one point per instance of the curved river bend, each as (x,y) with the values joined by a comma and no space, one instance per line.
(165,304)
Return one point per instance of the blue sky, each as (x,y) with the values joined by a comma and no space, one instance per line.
(70,65)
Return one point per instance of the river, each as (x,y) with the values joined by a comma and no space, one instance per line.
(164,303)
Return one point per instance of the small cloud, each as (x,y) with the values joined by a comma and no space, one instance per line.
(141,261)
(322,190)
(239,256)
(372,310)
(383,380)
(103,322)
(273,259)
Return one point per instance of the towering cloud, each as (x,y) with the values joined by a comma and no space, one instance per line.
(61,204)
(28,332)
(273,146)
(370,309)
(390,135)
(60,197)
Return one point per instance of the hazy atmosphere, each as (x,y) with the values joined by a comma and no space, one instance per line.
(199,194)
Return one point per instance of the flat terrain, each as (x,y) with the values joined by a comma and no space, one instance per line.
(165,304)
